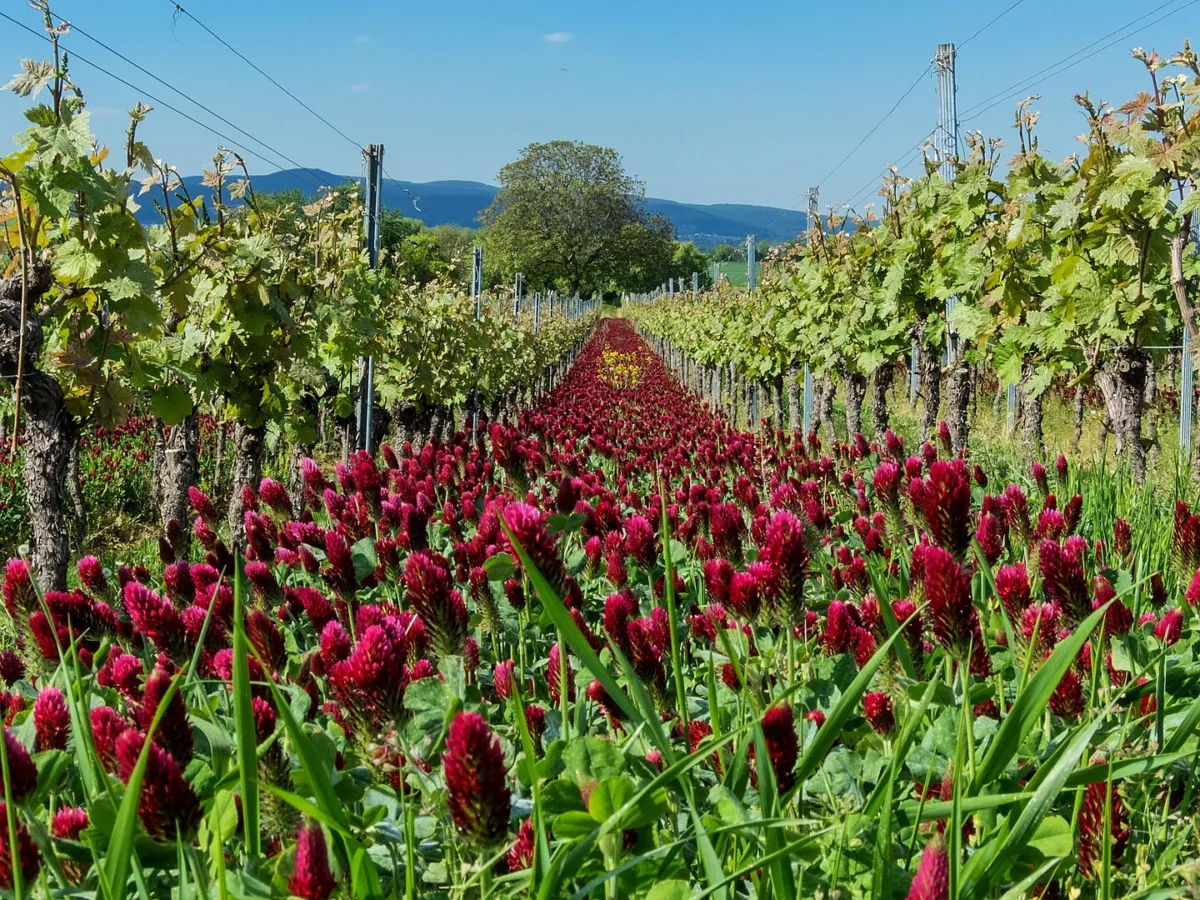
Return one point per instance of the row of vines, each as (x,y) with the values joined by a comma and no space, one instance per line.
(252,310)
(1079,271)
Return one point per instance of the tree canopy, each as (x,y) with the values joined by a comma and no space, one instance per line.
(562,215)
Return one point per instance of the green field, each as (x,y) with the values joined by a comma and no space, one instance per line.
(735,271)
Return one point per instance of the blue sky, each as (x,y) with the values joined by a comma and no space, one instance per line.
(707,101)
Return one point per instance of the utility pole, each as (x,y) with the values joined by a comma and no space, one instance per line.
(947,144)
(751,280)
(518,290)
(374,205)
(814,221)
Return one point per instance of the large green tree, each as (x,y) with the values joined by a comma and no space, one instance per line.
(561,215)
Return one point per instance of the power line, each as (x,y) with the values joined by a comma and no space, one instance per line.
(912,87)
(896,106)
(990,24)
(1066,62)
(1053,69)
(83,59)
(845,159)
(75,27)
(903,163)
(179,10)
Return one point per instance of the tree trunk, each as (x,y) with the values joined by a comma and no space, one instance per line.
(856,392)
(248,447)
(1077,433)
(1195,444)
(410,422)
(50,429)
(958,402)
(975,380)
(1031,414)
(79,523)
(882,381)
(777,402)
(795,398)
(1105,428)
(219,457)
(931,389)
(346,435)
(1123,384)
(828,389)
(1150,399)
(295,485)
(158,462)
(181,470)
(730,395)
(441,422)
(818,410)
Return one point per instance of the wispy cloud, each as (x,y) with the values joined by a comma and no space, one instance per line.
(105,111)
(557,37)
(361,87)
(362,39)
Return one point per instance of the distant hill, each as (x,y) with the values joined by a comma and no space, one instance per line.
(459,203)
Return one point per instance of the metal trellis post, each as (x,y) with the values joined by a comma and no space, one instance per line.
(914,375)
(808,399)
(477,293)
(751,280)
(814,219)
(1186,394)
(947,145)
(374,198)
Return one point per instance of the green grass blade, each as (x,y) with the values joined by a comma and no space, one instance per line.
(363,874)
(984,872)
(1124,768)
(889,620)
(121,848)
(881,880)
(10,810)
(1019,890)
(901,748)
(243,718)
(846,706)
(1185,728)
(570,631)
(672,613)
(768,792)
(1026,712)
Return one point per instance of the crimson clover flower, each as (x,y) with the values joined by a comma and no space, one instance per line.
(476,782)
